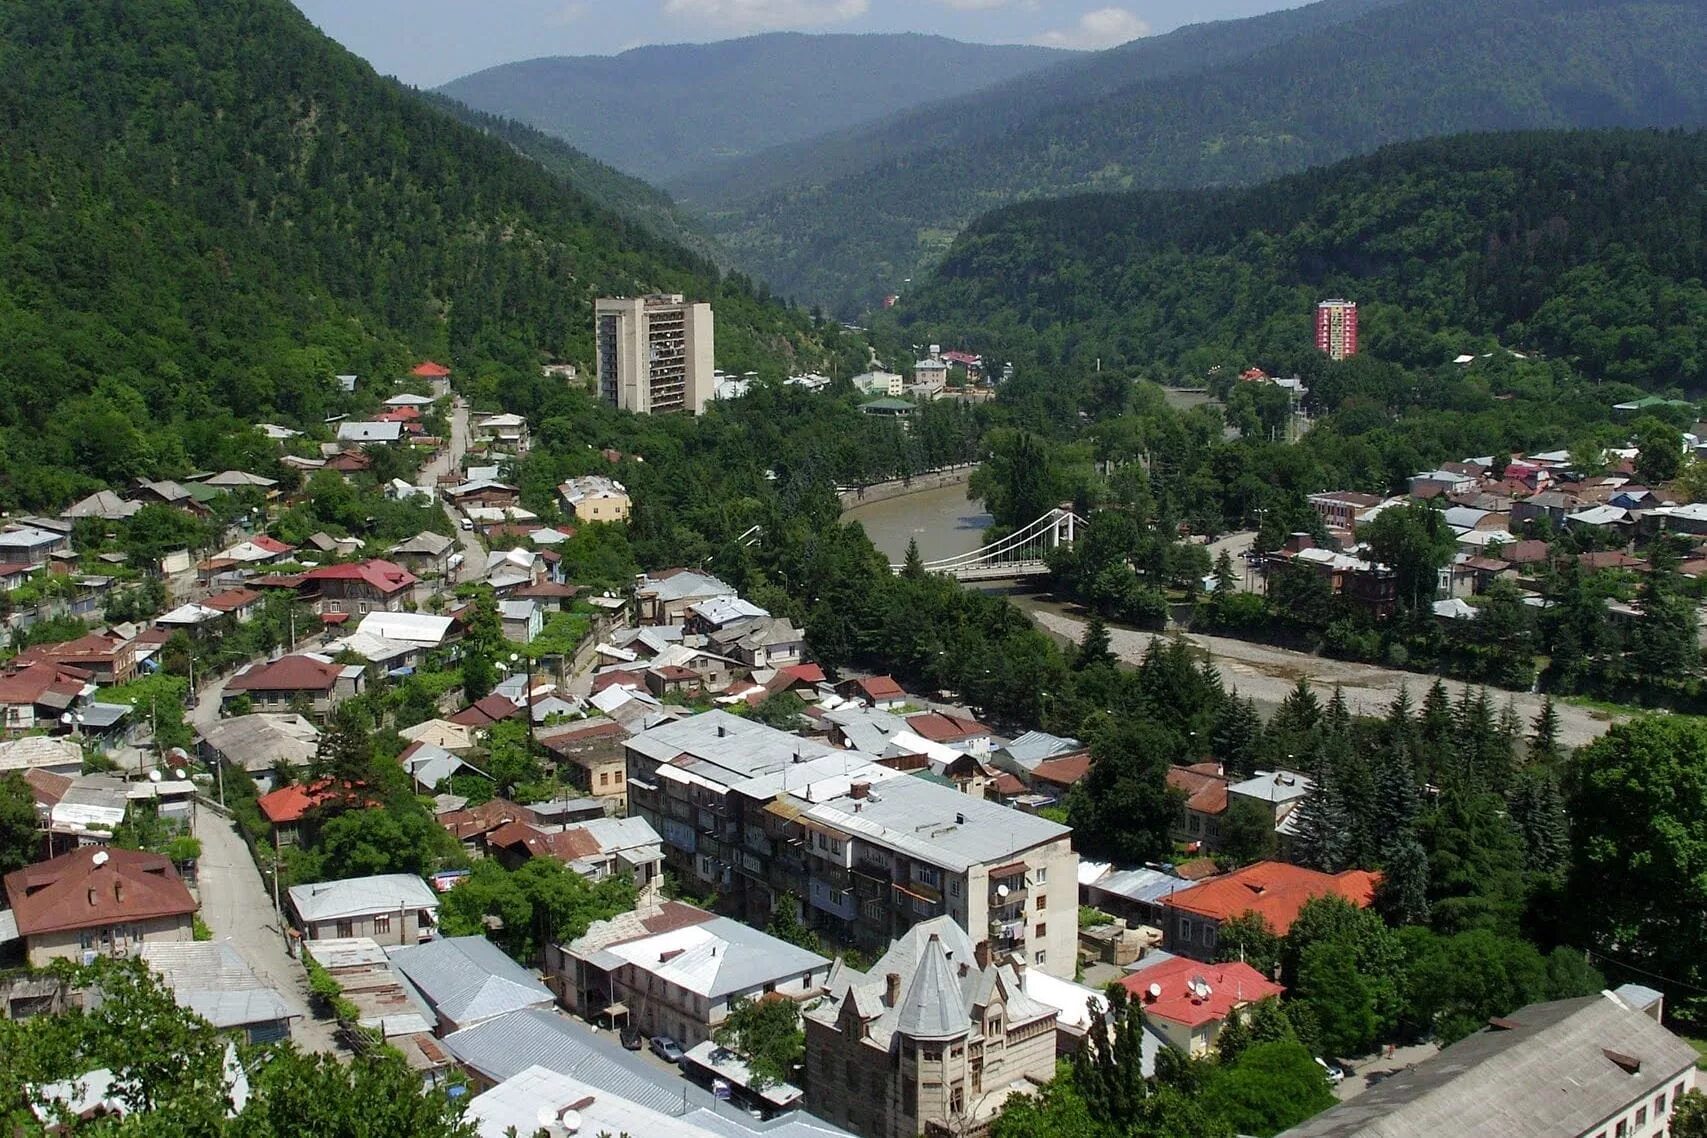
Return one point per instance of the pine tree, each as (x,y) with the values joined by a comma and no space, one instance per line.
(1434,732)
(913,565)
(1226,581)
(1403,895)
(1094,649)
(1397,799)
(1538,810)
(1238,730)
(1322,825)
(1336,720)
(1301,711)
(1544,735)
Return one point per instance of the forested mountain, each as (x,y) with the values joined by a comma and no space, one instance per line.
(1587,246)
(665,111)
(211,208)
(602,184)
(1009,105)
(1416,69)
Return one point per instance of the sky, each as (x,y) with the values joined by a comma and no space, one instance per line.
(429,42)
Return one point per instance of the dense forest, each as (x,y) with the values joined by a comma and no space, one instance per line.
(665,111)
(1587,247)
(603,185)
(1330,90)
(210,209)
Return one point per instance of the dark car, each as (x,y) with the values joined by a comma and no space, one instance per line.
(667,1049)
(630,1037)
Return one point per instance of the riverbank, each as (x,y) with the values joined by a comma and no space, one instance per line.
(939,517)
(1267,674)
(904,487)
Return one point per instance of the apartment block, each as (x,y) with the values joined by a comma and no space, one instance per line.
(768,818)
(656,354)
(1336,328)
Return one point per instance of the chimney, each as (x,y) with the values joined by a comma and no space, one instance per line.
(1018,960)
(891,989)
(982,954)
(118,890)
(722,730)
(91,896)
(960,819)
(860,790)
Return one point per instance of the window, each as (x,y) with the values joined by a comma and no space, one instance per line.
(423,919)
(382,923)
(1192,823)
(1660,1105)
(1040,876)
(346,929)
(1039,958)
(954,887)
(604,778)
(806,980)
(1042,930)
(1641,1117)
(1042,902)
(1622,1129)
(619,776)
(957,1099)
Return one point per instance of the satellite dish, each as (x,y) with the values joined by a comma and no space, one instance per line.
(1155,991)
(571,1121)
(180,773)
(546,1117)
(1002,892)
(154,776)
(99,859)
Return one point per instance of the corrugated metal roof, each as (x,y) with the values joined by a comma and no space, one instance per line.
(467,979)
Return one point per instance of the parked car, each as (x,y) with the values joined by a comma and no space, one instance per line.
(667,1049)
(1335,1073)
(630,1037)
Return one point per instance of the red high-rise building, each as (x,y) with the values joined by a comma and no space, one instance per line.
(1336,328)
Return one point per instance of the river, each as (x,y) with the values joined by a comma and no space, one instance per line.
(943,521)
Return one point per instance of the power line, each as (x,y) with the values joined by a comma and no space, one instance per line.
(1592,955)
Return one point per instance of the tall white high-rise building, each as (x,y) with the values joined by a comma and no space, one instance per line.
(656,354)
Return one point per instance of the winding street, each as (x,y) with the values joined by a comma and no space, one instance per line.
(446,461)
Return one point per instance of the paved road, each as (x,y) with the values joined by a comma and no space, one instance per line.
(238,908)
(1268,674)
(1365,1073)
(446,461)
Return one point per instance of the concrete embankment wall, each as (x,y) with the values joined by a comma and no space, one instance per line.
(901,487)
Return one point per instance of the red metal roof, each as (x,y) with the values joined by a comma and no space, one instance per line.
(939,727)
(288,673)
(880,688)
(1273,890)
(427,369)
(386,576)
(290,803)
(232,600)
(1205,792)
(1225,988)
(96,887)
(1064,771)
(485,711)
(804,673)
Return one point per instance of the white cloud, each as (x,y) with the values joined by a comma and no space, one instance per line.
(1104,27)
(756,15)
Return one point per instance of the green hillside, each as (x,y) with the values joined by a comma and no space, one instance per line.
(1418,69)
(1589,247)
(209,209)
(666,111)
(602,184)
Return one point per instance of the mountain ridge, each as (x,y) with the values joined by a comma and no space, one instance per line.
(663,110)
(213,209)
(1589,247)
(1415,69)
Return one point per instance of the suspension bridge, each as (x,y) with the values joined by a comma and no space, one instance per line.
(1023,553)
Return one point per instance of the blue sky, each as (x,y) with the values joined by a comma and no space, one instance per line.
(428,42)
